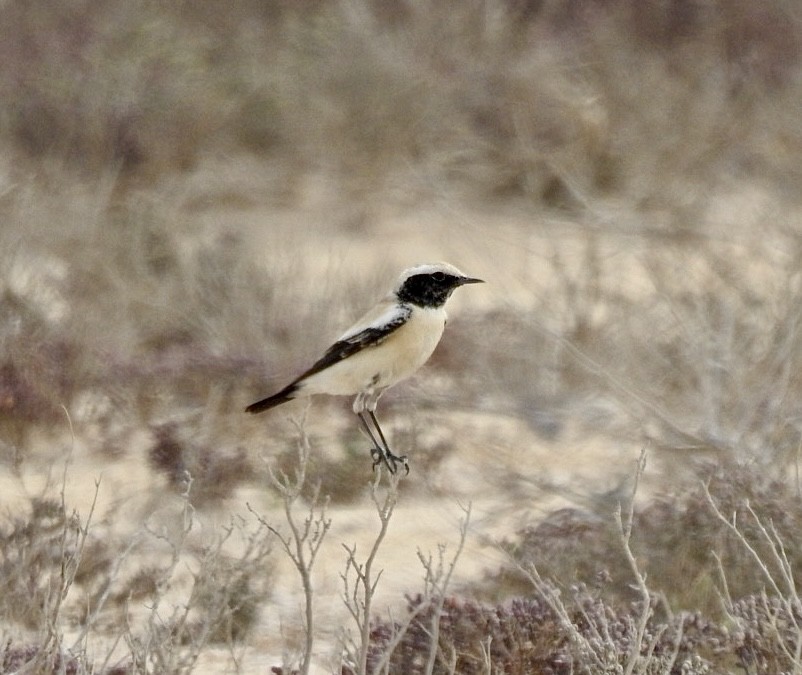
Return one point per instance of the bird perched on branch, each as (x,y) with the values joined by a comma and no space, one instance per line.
(387,345)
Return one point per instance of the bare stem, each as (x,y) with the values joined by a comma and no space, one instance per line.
(305,537)
(438,586)
(625,531)
(359,596)
(781,582)
(437,578)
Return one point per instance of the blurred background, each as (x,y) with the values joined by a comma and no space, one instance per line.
(196,197)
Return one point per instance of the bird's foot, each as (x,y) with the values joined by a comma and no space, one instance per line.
(377,456)
(390,460)
(399,459)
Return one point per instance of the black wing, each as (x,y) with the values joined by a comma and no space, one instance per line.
(354,341)
(352,344)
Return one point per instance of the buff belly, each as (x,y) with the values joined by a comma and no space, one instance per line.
(375,368)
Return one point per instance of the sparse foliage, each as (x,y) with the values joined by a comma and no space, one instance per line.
(360,579)
(305,537)
(181,184)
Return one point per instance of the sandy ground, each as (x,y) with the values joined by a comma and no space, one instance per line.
(427,517)
(497,462)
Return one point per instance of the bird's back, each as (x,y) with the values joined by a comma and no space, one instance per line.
(386,363)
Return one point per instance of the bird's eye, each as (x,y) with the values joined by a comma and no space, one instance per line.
(438,276)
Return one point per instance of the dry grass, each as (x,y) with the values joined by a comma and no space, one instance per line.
(188,192)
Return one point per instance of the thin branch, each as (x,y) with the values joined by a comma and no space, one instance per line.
(789,601)
(436,582)
(439,588)
(625,530)
(359,598)
(305,539)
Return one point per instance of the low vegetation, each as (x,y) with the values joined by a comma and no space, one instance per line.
(172,184)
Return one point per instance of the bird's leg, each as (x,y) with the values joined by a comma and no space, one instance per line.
(389,456)
(380,452)
(377,452)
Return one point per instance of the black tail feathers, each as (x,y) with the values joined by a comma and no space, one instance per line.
(283,396)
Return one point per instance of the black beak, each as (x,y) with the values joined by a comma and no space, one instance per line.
(469,280)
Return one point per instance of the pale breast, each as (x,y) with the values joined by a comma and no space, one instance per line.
(401,354)
(413,344)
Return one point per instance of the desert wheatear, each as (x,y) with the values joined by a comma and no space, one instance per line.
(385,346)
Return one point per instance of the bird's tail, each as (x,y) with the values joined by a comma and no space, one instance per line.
(286,394)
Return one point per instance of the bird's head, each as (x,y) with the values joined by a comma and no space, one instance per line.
(430,285)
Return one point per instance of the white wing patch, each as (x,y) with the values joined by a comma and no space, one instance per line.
(381,317)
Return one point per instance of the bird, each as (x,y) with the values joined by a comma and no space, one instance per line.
(387,345)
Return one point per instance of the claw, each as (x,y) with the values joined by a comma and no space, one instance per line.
(395,459)
(391,461)
(380,452)
(378,456)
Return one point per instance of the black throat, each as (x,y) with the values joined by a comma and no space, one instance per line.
(426,290)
